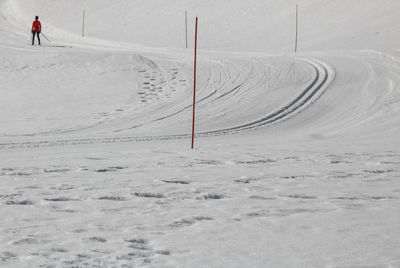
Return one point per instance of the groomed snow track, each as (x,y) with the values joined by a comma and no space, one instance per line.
(322,79)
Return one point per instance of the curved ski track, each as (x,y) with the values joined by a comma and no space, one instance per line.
(324,76)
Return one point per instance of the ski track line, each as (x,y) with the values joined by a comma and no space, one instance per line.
(325,75)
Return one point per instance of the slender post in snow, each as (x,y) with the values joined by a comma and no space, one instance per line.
(186,29)
(297,28)
(83,23)
(194,87)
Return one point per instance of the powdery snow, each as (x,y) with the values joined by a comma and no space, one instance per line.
(297,159)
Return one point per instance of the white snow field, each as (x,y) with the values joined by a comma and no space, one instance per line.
(297,155)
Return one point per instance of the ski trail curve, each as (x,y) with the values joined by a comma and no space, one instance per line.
(324,76)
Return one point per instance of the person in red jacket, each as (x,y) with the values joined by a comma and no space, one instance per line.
(36,30)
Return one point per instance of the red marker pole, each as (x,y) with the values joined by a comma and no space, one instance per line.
(194,87)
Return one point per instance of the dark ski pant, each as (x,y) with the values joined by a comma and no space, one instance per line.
(33,37)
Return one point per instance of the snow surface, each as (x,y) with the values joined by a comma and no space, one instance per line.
(297,158)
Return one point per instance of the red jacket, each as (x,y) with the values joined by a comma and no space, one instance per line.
(36,26)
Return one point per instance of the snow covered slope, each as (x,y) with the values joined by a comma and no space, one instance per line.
(224,25)
(297,159)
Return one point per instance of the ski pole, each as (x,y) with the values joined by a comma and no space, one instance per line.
(46,37)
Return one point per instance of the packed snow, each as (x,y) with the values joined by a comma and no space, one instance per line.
(297,155)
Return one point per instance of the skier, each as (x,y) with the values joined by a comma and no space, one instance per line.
(36,30)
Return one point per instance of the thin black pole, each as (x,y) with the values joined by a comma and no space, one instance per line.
(186,29)
(297,28)
(83,23)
